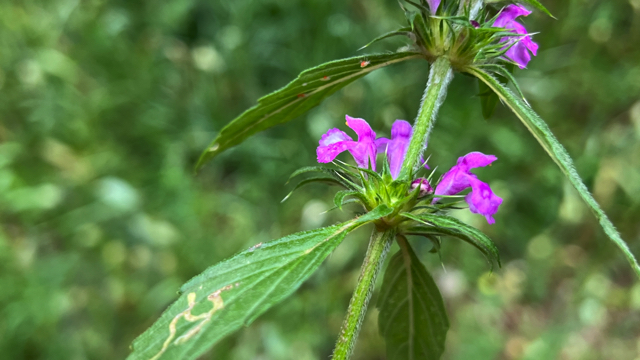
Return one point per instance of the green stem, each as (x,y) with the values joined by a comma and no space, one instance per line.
(376,253)
(440,76)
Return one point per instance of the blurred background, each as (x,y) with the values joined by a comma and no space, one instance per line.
(106,105)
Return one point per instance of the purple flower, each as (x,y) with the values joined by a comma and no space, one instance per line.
(481,199)
(518,52)
(336,141)
(433,5)
(396,147)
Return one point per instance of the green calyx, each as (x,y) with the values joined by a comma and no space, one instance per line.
(371,190)
(411,209)
(455,31)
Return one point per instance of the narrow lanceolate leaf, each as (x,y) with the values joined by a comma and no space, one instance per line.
(235,292)
(412,318)
(299,96)
(545,137)
(447,225)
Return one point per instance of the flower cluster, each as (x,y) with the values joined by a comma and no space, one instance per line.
(481,199)
(476,43)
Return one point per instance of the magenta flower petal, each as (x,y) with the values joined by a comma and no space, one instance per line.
(433,5)
(476,159)
(362,128)
(381,145)
(364,152)
(401,132)
(522,45)
(509,14)
(333,136)
(453,182)
(334,142)
(457,179)
(482,200)
(396,148)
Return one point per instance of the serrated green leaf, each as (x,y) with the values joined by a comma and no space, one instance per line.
(412,318)
(305,92)
(447,225)
(235,292)
(552,146)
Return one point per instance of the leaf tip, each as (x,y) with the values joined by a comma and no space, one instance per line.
(209,153)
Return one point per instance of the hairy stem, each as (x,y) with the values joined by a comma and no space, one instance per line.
(376,253)
(440,76)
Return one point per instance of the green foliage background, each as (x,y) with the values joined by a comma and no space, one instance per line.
(106,106)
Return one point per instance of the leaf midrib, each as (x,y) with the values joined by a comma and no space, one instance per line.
(367,70)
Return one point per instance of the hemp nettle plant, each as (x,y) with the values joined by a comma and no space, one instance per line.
(481,38)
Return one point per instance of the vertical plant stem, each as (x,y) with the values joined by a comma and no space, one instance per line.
(376,253)
(440,75)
